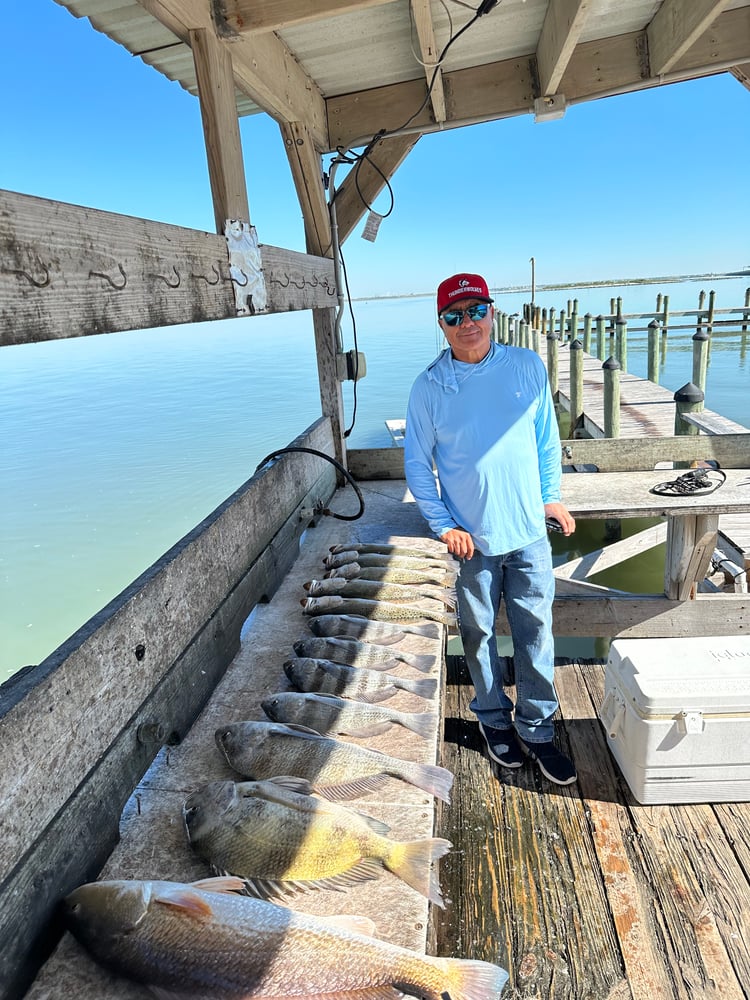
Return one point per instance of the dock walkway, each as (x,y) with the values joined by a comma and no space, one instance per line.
(582,893)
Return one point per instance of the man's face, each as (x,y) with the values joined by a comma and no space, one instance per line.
(470,338)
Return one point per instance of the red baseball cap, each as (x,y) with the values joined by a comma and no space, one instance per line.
(461,286)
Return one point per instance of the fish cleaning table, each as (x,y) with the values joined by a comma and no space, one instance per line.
(153,840)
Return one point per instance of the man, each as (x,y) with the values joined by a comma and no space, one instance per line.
(483,412)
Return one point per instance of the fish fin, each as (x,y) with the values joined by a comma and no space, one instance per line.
(351,923)
(373,729)
(467,979)
(421,723)
(300,785)
(223,882)
(433,779)
(430,630)
(184,897)
(275,891)
(383,992)
(283,729)
(412,861)
(376,825)
(353,789)
(362,871)
(420,661)
(425,687)
(373,697)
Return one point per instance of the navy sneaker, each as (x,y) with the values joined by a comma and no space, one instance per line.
(551,762)
(502,746)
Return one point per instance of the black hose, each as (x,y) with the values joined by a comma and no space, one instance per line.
(344,472)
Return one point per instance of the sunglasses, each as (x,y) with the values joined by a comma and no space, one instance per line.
(455,317)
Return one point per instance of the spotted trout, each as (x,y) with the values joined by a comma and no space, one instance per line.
(382,633)
(306,673)
(191,941)
(280,840)
(335,769)
(392,574)
(357,653)
(379,610)
(383,548)
(375,590)
(334,559)
(326,713)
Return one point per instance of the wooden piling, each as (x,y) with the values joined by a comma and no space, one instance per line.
(746,313)
(665,317)
(621,341)
(576,385)
(688,399)
(587,321)
(611,368)
(562,326)
(701,341)
(553,373)
(601,329)
(653,351)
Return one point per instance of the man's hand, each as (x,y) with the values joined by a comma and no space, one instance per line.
(562,515)
(459,542)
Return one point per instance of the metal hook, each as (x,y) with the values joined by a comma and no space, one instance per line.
(202,277)
(37,284)
(166,280)
(284,284)
(241,284)
(100,274)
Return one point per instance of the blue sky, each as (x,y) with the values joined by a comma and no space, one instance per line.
(653,183)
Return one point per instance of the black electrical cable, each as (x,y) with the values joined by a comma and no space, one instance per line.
(696,482)
(344,472)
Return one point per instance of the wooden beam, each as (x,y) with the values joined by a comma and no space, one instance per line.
(563,24)
(213,69)
(245,16)
(331,399)
(264,68)
(647,616)
(307,173)
(505,89)
(675,27)
(67,271)
(354,197)
(421,12)
(611,555)
(691,542)
(742,73)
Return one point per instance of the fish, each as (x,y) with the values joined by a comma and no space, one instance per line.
(280,840)
(392,574)
(383,548)
(326,714)
(356,653)
(377,610)
(307,673)
(336,770)
(374,590)
(205,940)
(382,633)
(334,559)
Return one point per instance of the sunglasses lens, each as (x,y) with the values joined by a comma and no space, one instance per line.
(456,317)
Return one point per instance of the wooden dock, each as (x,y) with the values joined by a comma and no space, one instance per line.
(582,893)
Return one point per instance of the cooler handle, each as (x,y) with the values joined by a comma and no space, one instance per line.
(612,713)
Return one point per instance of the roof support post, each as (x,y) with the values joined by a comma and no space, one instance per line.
(213,67)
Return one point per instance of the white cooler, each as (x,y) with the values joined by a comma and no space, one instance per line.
(677,717)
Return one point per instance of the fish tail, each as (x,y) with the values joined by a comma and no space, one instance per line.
(412,861)
(472,980)
(420,661)
(421,723)
(430,630)
(424,687)
(431,778)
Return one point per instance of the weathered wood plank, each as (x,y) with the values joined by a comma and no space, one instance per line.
(523,882)
(602,559)
(732,451)
(69,272)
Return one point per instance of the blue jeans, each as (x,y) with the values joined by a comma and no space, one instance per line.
(525,579)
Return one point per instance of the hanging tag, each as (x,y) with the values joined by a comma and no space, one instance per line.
(371,226)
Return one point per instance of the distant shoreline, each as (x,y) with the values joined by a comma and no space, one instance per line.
(608,283)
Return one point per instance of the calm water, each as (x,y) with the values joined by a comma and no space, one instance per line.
(113,447)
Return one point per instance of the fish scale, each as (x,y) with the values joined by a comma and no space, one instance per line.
(377,610)
(307,673)
(380,632)
(356,653)
(326,713)
(377,590)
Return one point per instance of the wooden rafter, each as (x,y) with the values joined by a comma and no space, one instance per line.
(263,66)
(561,30)
(421,13)
(742,73)
(244,16)
(676,26)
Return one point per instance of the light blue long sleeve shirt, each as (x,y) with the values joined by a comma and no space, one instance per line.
(491,430)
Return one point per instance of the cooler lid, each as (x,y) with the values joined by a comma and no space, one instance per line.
(710,674)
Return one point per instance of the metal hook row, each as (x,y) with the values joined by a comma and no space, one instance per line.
(312,284)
